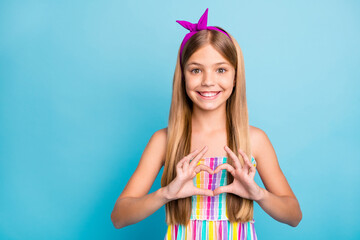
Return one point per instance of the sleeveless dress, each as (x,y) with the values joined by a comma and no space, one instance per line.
(209,214)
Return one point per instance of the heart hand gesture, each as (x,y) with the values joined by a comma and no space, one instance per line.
(243,184)
(182,186)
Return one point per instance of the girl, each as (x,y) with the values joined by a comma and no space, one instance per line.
(208,151)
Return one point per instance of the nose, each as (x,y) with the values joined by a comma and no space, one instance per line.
(208,79)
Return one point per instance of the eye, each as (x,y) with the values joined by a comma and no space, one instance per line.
(222,70)
(195,69)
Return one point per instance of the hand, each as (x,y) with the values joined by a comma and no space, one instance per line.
(182,186)
(243,184)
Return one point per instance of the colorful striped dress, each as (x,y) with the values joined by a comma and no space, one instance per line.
(209,214)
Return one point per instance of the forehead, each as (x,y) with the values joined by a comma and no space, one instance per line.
(207,55)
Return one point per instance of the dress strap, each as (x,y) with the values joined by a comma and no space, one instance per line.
(253,161)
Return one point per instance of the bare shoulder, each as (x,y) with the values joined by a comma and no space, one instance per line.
(259,139)
(156,147)
(160,137)
(149,166)
(256,136)
(267,163)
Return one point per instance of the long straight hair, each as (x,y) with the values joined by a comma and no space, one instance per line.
(179,126)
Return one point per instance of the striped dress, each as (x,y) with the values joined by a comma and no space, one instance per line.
(209,214)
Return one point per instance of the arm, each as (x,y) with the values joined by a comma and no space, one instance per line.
(134,204)
(284,209)
(278,200)
(130,210)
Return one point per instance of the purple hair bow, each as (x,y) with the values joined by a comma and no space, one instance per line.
(196,27)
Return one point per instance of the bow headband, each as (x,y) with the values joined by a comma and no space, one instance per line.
(196,27)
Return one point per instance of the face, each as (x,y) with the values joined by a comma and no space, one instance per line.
(209,78)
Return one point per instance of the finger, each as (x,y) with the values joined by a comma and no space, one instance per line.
(233,157)
(195,161)
(246,159)
(252,171)
(180,164)
(223,189)
(205,192)
(226,166)
(188,158)
(202,167)
(192,155)
(243,155)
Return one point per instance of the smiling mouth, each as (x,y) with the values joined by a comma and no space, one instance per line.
(209,95)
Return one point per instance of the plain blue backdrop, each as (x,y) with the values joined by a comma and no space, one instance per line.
(84,85)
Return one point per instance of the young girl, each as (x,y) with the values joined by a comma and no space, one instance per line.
(208,151)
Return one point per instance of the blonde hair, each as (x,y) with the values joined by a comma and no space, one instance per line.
(179,126)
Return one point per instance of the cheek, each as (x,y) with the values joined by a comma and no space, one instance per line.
(188,87)
(232,80)
(190,83)
(228,82)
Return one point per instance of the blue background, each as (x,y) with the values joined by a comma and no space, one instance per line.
(84,85)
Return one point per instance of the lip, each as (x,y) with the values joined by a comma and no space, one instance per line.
(209,98)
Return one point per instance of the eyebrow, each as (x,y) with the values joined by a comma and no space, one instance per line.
(195,63)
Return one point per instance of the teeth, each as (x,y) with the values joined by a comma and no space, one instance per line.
(208,94)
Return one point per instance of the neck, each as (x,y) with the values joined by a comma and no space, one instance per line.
(207,121)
